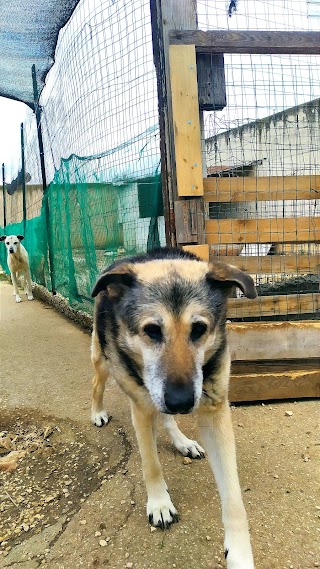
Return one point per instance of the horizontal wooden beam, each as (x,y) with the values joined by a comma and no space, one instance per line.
(275,305)
(270,366)
(282,385)
(264,188)
(275,264)
(247,41)
(274,340)
(244,231)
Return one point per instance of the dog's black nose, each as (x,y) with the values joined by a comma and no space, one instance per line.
(179,397)
(11,250)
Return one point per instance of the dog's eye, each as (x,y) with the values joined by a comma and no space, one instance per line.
(15,243)
(7,243)
(197,330)
(154,332)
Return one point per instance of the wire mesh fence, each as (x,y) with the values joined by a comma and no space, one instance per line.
(262,154)
(99,124)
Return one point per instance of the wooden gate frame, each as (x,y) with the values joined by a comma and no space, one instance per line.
(271,360)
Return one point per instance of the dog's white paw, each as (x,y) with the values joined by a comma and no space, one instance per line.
(100,418)
(191,449)
(238,553)
(161,511)
(30,297)
(18,298)
(188,447)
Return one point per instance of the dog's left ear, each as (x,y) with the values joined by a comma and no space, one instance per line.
(3,237)
(234,277)
(20,237)
(115,282)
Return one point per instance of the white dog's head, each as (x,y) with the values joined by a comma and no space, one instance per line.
(12,242)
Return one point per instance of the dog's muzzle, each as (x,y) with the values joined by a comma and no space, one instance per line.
(11,250)
(179,397)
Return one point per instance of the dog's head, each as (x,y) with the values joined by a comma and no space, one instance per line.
(168,319)
(12,242)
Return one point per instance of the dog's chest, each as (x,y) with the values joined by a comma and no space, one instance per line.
(16,263)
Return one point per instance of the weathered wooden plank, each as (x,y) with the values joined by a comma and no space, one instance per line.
(211,82)
(274,305)
(261,188)
(284,230)
(275,264)
(165,17)
(274,340)
(244,367)
(282,385)
(185,108)
(189,217)
(248,41)
(201,251)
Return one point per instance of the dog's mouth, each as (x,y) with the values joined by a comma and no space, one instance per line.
(11,251)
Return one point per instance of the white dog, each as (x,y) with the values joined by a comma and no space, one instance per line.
(18,262)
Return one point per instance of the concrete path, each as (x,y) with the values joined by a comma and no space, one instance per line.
(77,499)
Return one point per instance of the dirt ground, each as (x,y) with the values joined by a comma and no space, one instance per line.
(76,498)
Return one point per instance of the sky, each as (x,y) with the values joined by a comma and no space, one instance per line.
(12,114)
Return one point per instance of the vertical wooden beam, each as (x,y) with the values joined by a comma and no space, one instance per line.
(186,123)
(168,15)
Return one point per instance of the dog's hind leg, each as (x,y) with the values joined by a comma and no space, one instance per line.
(160,509)
(14,278)
(186,446)
(27,284)
(99,415)
(217,434)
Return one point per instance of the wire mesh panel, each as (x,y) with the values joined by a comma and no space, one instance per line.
(263,155)
(99,123)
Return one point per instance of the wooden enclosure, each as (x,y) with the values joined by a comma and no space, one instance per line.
(275,340)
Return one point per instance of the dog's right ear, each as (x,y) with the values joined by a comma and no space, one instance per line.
(3,237)
(115,282)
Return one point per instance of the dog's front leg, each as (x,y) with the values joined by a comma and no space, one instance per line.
(217,435)
(160,509)
(15,287)
(28,285)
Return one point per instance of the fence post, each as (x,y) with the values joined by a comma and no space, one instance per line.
(4,198)
(37,111)
(23,175)
(167,15)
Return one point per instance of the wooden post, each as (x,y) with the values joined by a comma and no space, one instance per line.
(4,197)
(168,15)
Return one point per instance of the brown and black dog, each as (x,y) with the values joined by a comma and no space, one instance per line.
(159,331)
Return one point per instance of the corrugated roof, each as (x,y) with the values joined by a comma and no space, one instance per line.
(28,35)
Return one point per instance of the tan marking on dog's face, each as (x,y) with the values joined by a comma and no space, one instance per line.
(154,270)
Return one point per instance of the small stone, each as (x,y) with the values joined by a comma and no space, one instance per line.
(240,425)
(288,413)
(132,502)
(187,460)
(102,542)
(127,555)
(129,565)
(83,522)
(25,527)
(208,538)
(97,533)
(275,476)
(152,529)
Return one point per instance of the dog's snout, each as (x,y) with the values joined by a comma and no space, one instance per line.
(11,250)
(179,397)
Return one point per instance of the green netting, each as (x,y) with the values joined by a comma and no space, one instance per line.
(90,225)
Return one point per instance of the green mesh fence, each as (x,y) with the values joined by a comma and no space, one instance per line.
(91,224)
